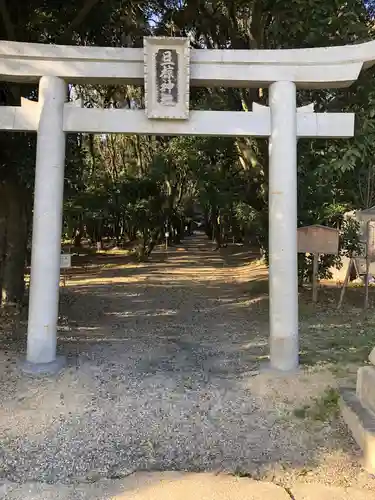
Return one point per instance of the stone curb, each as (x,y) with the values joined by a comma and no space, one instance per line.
(179,486)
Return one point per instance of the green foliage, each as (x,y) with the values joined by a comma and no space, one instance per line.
(350,237)
(321,409)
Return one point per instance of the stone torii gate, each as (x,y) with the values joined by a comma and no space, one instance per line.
(168,68)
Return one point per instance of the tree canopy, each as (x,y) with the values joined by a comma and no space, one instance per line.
(135,188)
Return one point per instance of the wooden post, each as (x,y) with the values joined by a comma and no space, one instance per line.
(166,240)
(346,281)
(366,279)
(315,278)
(367,264)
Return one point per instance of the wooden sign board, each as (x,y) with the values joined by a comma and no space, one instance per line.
(65,261)
(318,239)
(167,77)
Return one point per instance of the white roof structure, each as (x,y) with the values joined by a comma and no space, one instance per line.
(323,67)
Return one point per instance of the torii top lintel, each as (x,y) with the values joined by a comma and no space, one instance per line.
(326,67)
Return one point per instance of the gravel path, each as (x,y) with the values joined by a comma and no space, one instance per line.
(162,374)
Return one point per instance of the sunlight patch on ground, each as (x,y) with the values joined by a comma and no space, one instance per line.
(143,313)
(325,326)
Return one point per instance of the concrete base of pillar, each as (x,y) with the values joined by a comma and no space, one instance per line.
(266,367)
(284,353)
(43,369)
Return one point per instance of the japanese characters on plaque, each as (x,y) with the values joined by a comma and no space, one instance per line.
(167,77)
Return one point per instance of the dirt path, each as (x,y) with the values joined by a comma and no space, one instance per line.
(190,288)
(162,374)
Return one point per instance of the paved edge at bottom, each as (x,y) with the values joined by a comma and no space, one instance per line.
(152,486)
(180,486)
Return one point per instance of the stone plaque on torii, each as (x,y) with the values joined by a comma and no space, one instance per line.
(167,77)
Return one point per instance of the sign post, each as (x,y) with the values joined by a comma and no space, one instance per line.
(315,277)
(65,263)
(166,239)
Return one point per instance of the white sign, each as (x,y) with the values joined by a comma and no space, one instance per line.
(167,77)
(65,260)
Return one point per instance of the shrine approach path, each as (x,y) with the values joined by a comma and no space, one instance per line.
(162,374)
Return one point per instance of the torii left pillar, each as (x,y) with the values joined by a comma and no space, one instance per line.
(47,223)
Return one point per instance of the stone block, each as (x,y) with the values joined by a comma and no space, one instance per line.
(372,356)
(366,387)
(361,423)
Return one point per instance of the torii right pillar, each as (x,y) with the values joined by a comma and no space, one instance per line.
(287,123)
(283,271)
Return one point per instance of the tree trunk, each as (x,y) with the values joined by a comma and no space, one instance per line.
(117,230)
(208,228)
(99,235)
(153,241)
(216,223)
(77,238)
(3,232)
(14,244)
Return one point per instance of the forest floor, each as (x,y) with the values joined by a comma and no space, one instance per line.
(163,374)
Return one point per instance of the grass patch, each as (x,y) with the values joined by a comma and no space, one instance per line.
(322,409)
(327,335)
(336,337)
(330,338)
(238,472)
